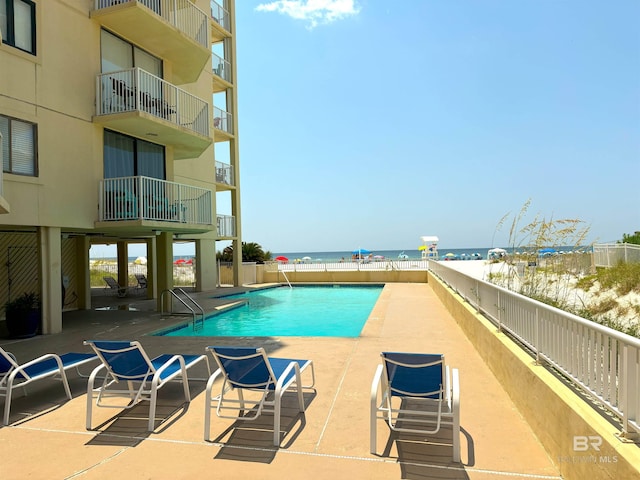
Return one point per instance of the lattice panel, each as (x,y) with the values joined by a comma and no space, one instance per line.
(19,272)
(69,273)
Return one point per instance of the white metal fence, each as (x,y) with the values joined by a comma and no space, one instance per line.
(603,362)
(311,266)
(610,254)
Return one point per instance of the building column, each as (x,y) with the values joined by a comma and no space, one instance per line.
(164,276)
(51,274)
(123,264)
(206,265)
(151,268)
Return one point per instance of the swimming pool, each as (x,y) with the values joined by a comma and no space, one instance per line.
(302,311)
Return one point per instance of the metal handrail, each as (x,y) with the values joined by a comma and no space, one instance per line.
(202,313)
(193,302)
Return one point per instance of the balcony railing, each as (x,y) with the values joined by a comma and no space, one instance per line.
(182,14)
(224,173)
(145,198)
(137,90)
(226,226)
(222,71)
(222,120)
(174,30)
(220,16)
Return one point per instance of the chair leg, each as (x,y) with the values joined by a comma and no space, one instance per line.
(152,410)
(276,420)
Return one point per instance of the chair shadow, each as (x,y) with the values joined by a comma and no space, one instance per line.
(42,398)
(128,427)
(252,441)
(429,456)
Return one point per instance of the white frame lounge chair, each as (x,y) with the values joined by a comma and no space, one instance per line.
(127,364)
(423,379)
(13,375)
(247,368)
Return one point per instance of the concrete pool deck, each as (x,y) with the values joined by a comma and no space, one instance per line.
(331,440)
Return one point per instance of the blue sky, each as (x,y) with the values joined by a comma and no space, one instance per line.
(369,123)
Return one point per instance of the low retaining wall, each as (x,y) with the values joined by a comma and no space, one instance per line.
(346,276)
(580,441)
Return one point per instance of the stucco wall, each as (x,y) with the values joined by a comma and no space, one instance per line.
(569,428)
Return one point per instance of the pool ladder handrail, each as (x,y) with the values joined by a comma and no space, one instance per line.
(285,277)
(194,314)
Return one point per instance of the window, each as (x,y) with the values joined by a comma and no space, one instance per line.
(118,54)
(131,157)
(19,146)
(18,24)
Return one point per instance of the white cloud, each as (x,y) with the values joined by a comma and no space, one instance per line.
(316,12)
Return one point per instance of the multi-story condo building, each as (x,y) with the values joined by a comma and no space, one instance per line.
(111,116)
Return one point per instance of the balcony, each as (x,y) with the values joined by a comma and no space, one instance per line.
(226,226)
(138,103)
(223,125)
(220,23)
(174,30)
(139,202)
(224,176)
(221,73)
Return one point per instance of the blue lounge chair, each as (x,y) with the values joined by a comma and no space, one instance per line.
(425,396)
(128,365)
(249,369)
(13,375)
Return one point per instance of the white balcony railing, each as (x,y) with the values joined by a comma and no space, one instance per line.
(601,361)
(222,120)
(226,225)
(224,173)
(220,15)
(221,67)
(145,198)
(137,90)
(182,14)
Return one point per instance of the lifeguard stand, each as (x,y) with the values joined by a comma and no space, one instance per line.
(429,247)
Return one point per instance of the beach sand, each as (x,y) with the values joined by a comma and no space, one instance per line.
(628,305)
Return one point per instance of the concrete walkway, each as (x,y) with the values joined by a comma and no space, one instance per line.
(331,440)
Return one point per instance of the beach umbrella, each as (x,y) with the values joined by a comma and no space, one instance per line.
(180,261)
(361,251)
(547,250)
(306,259)
(282,259)
(422,247)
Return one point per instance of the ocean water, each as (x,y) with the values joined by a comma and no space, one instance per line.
(414,254)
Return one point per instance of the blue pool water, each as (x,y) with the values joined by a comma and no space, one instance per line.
(309,311)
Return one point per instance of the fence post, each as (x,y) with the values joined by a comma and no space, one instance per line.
(629,386)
